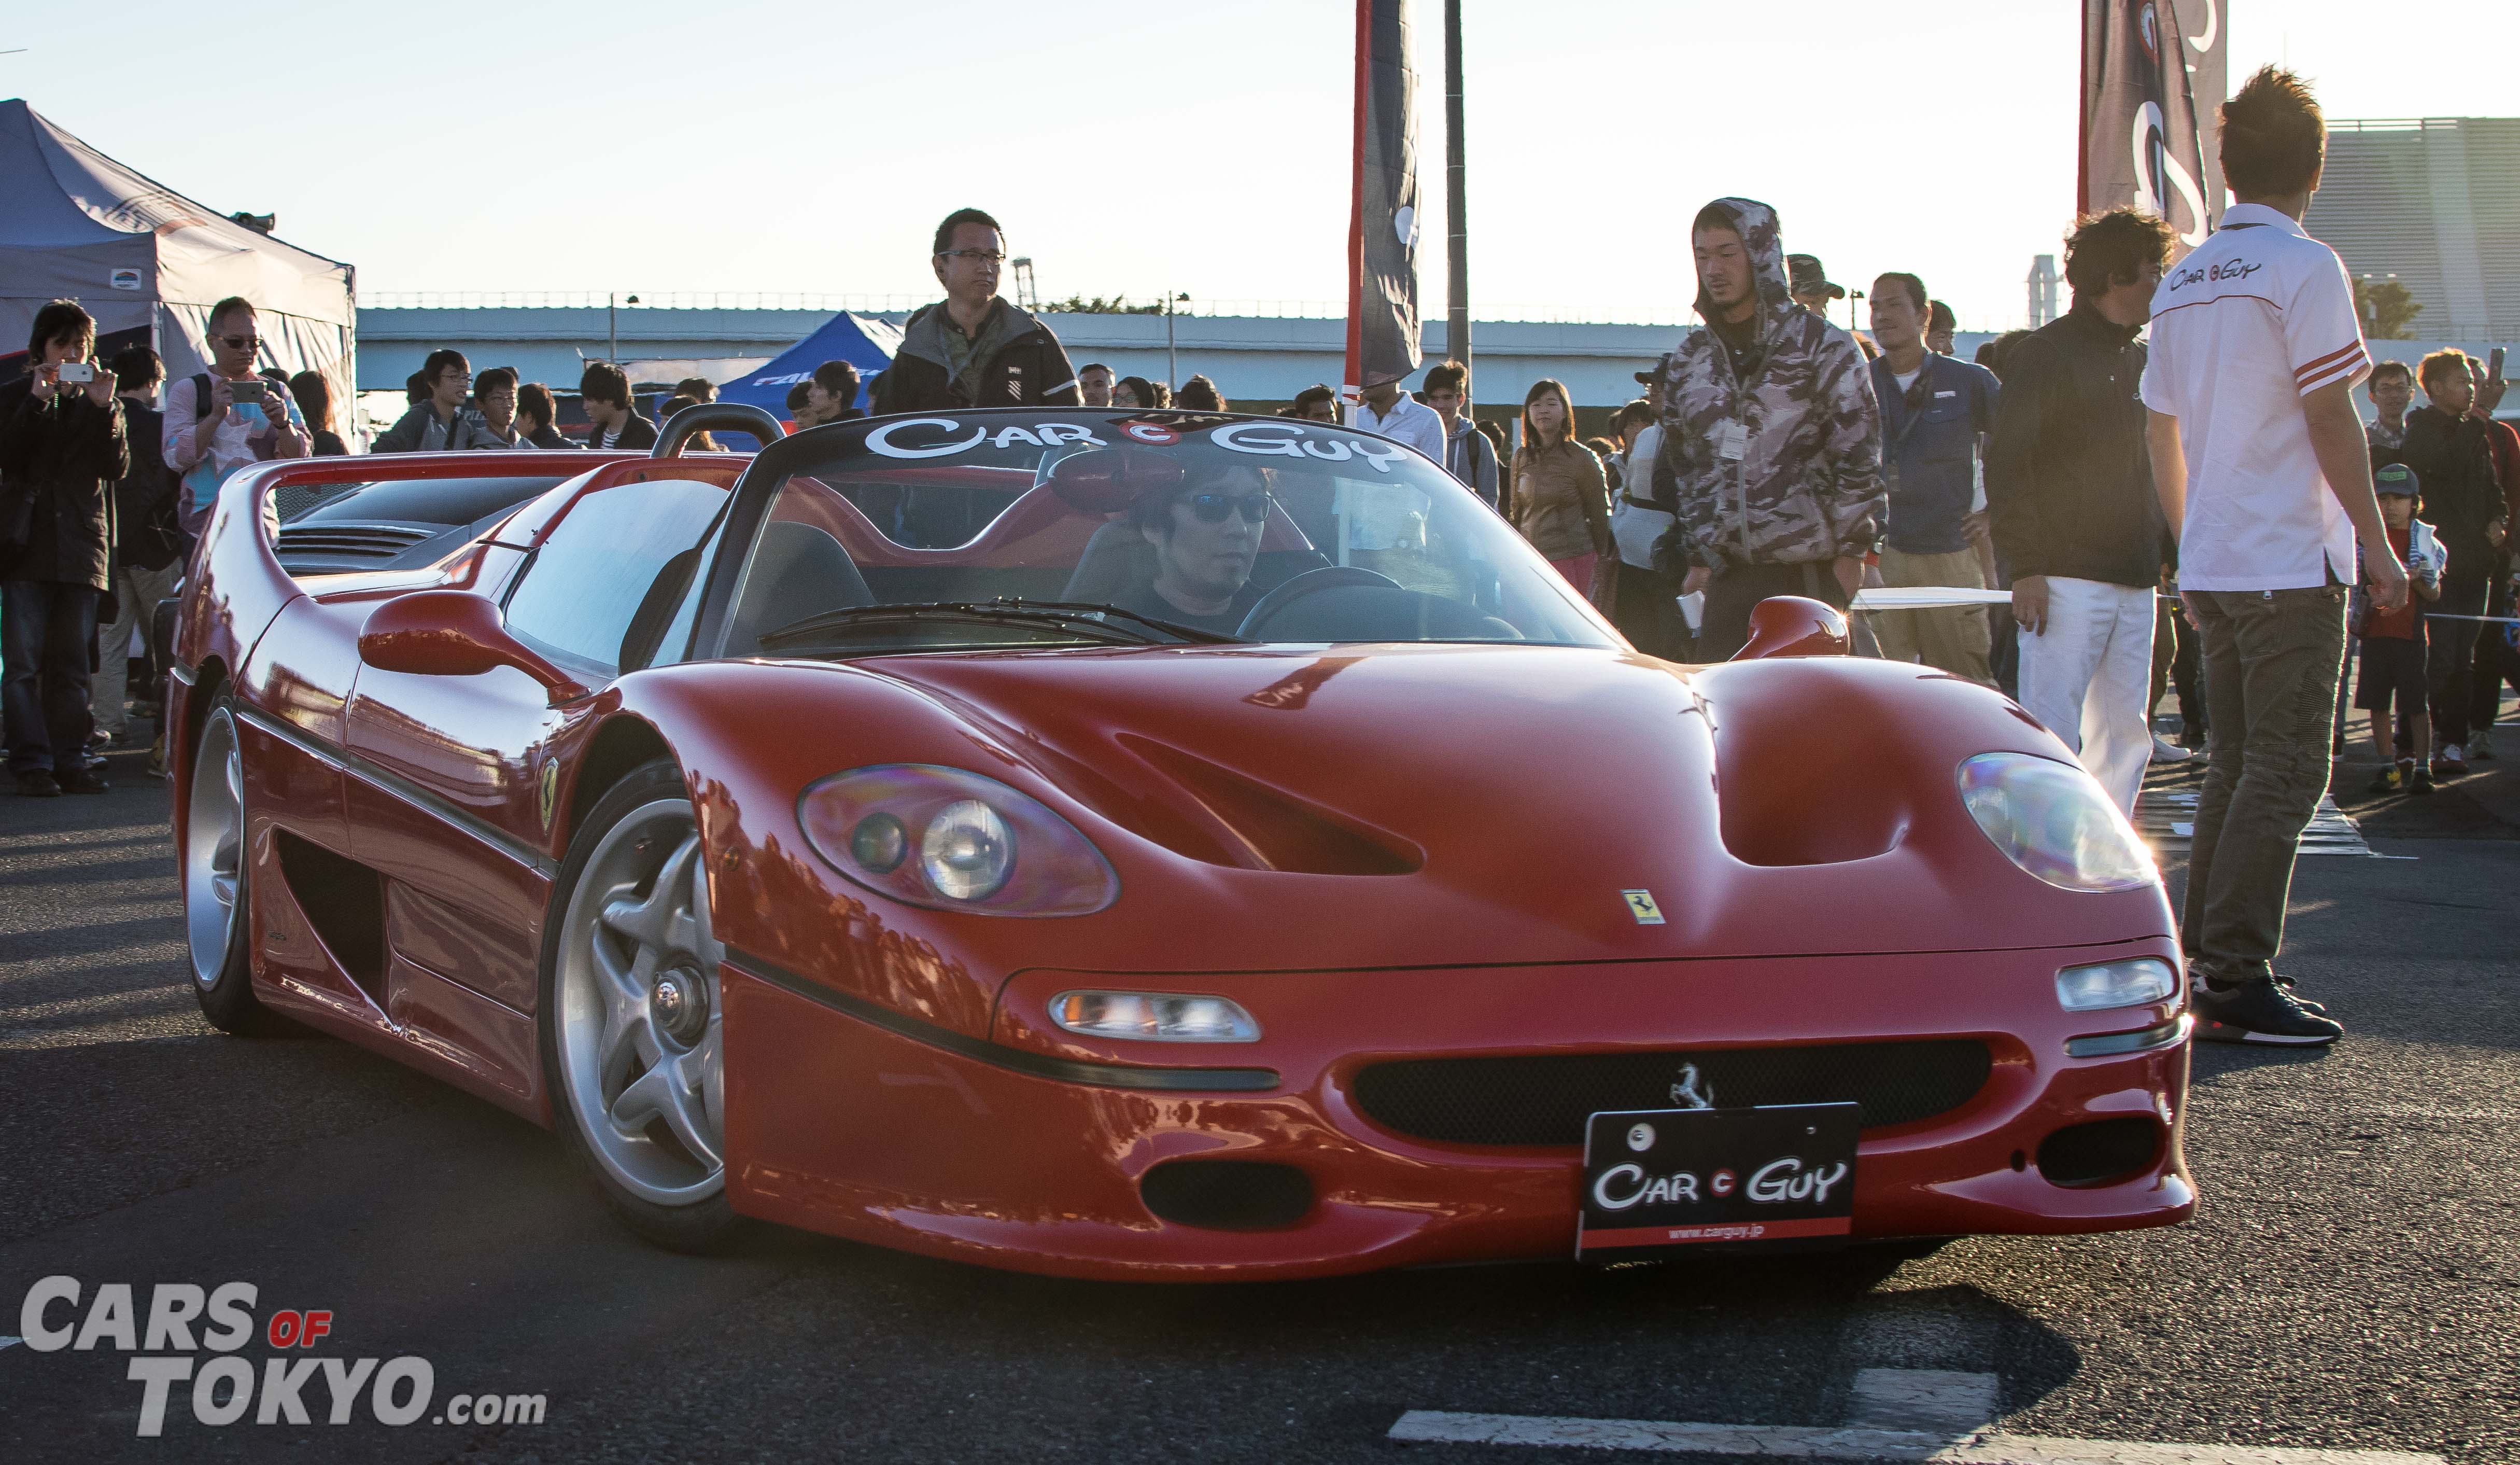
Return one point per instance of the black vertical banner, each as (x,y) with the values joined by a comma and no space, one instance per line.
(2154,72)
(1382,244)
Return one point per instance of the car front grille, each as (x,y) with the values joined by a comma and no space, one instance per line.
(1545,1099)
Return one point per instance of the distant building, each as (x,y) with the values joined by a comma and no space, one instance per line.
(2435,202)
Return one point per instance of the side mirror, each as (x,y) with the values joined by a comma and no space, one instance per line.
(454,633)
(1792,625)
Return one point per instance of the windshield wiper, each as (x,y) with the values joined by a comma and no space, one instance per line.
(1004,610)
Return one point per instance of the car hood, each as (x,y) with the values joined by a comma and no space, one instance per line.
(1423,804)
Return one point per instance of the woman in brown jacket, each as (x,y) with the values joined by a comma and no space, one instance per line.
(1562,502)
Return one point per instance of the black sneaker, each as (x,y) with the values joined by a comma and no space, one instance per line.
(2383,782)
(2419,782)
(2314,1009)
(2259,1012)
(84,781)
(37,783)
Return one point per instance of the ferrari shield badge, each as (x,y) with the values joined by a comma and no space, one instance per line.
(1641,905)
(550,789)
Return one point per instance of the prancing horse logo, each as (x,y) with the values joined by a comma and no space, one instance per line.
(1690,1093)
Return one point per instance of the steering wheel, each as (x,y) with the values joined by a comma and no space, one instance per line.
(1327,578)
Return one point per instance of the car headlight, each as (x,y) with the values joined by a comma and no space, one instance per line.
(953,839)
(1155,1017)
(2054,820)
(2135,982)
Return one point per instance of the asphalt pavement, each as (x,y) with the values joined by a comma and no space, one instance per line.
(2352,1281)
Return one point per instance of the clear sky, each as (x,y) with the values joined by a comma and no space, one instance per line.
(770,145)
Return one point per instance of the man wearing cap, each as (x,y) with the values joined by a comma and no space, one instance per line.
(1941,325)
(1809,285)
(2393,641)
(1646,607)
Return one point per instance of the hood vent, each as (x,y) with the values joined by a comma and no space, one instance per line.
(1257,827)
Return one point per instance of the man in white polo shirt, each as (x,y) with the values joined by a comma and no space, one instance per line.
(2259,457)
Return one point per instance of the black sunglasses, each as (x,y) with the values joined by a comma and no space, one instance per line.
(241,342)
(1211,508)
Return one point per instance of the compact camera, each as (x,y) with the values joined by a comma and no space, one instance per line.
(77,373)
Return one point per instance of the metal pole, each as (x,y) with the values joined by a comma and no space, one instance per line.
(612,328)
(1172,362)
(1457,260)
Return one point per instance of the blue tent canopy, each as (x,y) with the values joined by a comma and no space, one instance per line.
(861,341)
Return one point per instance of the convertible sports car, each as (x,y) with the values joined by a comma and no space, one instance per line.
(1146,845)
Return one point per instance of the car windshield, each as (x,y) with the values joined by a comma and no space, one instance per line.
(1041,526)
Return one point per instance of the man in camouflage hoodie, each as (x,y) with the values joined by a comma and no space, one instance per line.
(1773,436)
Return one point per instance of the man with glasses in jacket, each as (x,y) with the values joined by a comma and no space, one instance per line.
(973,348)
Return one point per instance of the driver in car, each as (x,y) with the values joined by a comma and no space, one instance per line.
(1206,536)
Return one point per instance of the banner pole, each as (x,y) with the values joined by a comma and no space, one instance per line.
(1457,192)
(1356,213)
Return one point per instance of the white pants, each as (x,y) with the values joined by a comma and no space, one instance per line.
(2089,676)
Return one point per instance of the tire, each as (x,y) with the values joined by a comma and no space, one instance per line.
(217,878)
(635,1073)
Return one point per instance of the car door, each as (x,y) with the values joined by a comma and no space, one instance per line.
(454,781)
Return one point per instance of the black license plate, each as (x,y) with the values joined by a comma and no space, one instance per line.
(1660,1178)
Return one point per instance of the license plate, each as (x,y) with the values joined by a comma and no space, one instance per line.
(1656,1179)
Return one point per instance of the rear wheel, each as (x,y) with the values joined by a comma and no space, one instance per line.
(631,1029)
(218,882)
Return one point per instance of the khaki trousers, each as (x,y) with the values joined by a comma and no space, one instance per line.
(2272,660)
(1950,639)
(136,593)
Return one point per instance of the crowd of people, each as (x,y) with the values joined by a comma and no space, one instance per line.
(2106,515)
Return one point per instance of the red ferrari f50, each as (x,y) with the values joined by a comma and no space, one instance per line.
(1152,845)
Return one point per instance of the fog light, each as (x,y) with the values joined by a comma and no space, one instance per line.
(1155,1017)
(2131,982)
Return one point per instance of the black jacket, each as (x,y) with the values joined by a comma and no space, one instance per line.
(1029,368)
(59,459)
(146,530)
(635,432)
(2454,466)
(2068,478)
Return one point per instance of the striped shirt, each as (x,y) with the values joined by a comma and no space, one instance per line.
(2255,319)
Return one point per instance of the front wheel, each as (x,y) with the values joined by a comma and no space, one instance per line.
(631,1027)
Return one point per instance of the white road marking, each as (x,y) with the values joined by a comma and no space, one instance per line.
(1798,1443)
(1932,1400)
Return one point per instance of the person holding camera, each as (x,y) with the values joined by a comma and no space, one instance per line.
(62,449)
(227,418)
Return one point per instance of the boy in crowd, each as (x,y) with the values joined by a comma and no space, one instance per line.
(2393,648)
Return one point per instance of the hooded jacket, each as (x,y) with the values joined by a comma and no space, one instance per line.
(1019,364)
(1807,485)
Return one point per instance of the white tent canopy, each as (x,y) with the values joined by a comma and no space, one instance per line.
(140,256)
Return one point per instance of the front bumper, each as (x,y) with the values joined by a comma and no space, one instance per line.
(871,1130)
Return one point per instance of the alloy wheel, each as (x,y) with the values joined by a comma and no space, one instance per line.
(638,1022)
